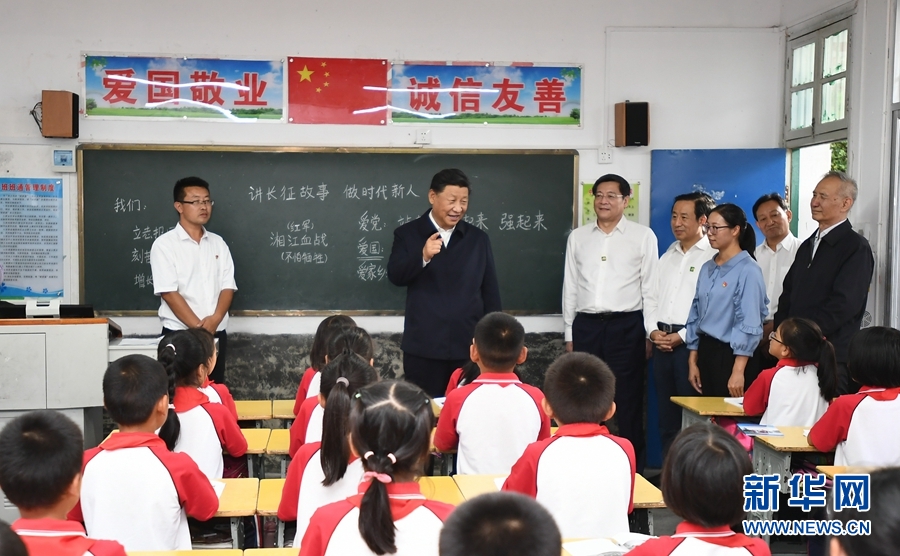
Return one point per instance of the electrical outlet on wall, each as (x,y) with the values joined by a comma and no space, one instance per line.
(604,156)
(423,137)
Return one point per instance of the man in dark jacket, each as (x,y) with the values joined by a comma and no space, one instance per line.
(829,280)
(448,270)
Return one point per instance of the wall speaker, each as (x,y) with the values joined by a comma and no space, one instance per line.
(632,124)
(59,111)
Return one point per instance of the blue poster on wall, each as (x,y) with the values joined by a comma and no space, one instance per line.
(739,176)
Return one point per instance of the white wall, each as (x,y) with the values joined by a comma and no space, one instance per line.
(715,82)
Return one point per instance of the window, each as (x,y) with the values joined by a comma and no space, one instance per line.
(816,86)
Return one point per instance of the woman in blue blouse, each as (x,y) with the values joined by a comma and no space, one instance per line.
(726,319)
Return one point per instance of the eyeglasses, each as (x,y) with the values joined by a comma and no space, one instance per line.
(773,338)
(203,203)
(713,230)
(611,197)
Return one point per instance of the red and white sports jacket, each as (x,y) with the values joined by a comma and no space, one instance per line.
(334,529)
(304,492)
(593,504)
(309,387)
(854,427)
(307,427)
(694,540)
(55,537)
(219,393)
(787,395)
(137,492)
(492,421)
(206,428)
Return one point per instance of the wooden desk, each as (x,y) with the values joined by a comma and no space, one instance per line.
(831,470)
(238,500)
(699,409)
(257,439)
(213,552)
(279,442)
(436,408)
(283,409)
(646,496)
(253,410)
(268,552)
(442,489)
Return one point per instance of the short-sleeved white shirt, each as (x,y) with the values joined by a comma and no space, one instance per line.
(197,271)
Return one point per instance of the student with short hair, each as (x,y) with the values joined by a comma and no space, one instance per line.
(579,390)
(217,393)
(40,472)
(702,483)
(195,425)
(324,472)
(390,431)
(500,524)
(309,383)
(796,392)
(884,513)
(307,427)
(133,489)
(854,424)
(493,419)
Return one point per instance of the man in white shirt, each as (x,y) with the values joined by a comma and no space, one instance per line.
(193,272)
(608,290)
(775,256)
(677,275)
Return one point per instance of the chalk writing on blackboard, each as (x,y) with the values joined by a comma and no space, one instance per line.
(128,205)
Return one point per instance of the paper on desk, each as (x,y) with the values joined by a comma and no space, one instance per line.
(736,401)
(138,341)
(752,429)
(499,481)
(806,432)
(219,487)
(594,547)
(631,540)
(439,401)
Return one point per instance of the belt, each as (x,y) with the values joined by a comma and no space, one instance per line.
(668,328)
(608,315)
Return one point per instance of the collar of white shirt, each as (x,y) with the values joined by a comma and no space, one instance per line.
(620,225)
(823,233)
(785,243)
(440,230)
(701,245)
(183,235)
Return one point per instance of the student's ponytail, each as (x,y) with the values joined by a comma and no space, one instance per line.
(469,374)
(171,429)
(827,371)
(341,378)
(747,239)
(807,344)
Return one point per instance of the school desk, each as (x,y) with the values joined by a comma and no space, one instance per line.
(831,470)
(257,440)
(269,552)
(646,497)
(238,500)
(279,443)
(699,409)
(267,505)
(254,410)
(283,409)
(212,552)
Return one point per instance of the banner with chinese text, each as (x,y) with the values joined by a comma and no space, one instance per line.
(337,91)
(479,94)
(588,214)
(131,86)
(31,253)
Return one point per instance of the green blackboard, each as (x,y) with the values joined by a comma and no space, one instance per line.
(311,229)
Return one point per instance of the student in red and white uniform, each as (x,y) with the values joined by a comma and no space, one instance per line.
(462,376)
(217,393)
(702,483)
(796,392)
(495,418)
(40,472)
(307,427)
(390,430)
(134,490)
(309,383)
(196,426)
(500,523)
(324,472)
(855,425)
(580,390)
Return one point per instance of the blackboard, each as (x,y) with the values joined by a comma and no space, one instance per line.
(311,229)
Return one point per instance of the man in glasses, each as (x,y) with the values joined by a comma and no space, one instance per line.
(193,271)
(608,289)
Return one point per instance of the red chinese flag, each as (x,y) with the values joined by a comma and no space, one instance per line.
(329,90)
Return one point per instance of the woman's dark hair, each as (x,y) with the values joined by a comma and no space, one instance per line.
(884,514)
(807,343)
(324,332)
(356,373)
(874,357)
(703,476)
(391,430)
(734,216)
(353,339)
(181,353)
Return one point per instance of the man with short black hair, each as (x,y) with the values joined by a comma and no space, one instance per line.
(447,267)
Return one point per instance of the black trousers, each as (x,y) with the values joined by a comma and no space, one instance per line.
(431,375)
(218,374)
(670,373)
(619,340)
(715,360)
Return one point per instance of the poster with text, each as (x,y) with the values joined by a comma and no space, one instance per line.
(588,214)
(132,86)
(486,94)
(31,251)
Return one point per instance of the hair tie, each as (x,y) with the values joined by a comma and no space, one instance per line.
(342,380)
(824,339)
(391,457)
(171,406)
(357,395)
(380,477)
(173,348)
(368,454)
